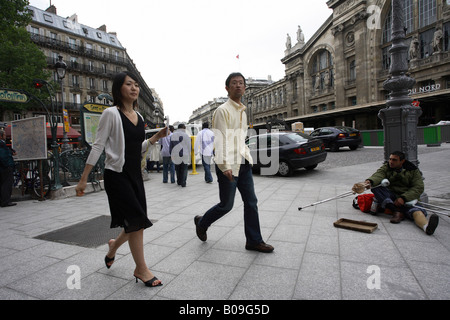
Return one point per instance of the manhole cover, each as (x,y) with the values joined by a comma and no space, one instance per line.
(90,234)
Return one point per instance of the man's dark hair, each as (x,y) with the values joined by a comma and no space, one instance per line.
(233,75)
(205,125)
(181,126)
(399,154)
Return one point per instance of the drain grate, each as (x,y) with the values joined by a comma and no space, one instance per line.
(89,234)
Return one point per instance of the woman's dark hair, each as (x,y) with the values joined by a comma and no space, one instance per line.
(233,75)
(118,81)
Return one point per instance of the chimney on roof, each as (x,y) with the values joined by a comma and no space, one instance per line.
(102,28)
(51,9)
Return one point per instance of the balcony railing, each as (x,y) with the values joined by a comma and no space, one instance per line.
(78,49)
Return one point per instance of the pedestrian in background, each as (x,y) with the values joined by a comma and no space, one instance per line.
(6,172)
(180,150)
(168,166)
(121,134)
(204,144)
(233,167)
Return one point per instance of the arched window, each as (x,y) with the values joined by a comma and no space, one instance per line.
(322,74)
(427,15)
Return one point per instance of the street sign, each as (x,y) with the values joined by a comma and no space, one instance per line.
(416,103)
(12,96)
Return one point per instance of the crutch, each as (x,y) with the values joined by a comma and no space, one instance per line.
(343,195)
(433,208)
(383,183)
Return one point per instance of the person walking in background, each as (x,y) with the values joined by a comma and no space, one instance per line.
(180,150)
(233,167)
(6,172)
(204,144)
(121,135)
(168,166)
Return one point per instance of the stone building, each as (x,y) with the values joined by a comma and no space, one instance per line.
(337,76)
(93,57)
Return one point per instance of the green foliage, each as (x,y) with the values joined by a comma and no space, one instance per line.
(21,60)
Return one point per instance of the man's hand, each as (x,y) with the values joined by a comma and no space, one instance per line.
(360,187)
(229,175)
(399,202)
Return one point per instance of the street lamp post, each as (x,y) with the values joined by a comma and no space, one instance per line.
(61,67)
(400,118)
(53,120)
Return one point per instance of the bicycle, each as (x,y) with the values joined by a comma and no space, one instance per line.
(27,177)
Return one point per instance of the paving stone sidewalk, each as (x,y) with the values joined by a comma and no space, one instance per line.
(312,259)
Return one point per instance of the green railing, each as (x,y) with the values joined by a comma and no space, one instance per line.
(430,135)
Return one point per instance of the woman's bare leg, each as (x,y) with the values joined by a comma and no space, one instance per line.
(136,243)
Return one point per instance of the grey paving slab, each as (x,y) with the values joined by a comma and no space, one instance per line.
(312,260)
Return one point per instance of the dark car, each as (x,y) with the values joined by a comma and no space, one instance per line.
(283,152)
(337,137)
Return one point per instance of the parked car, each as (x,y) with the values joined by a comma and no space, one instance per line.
(337,137)
(283,152)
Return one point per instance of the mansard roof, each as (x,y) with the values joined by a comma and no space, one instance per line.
(70,25)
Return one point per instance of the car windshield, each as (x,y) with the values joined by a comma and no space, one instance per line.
(298,137)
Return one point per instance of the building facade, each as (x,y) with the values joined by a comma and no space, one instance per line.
(93,57)
(337,76)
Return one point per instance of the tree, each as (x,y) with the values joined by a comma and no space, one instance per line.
(21,60)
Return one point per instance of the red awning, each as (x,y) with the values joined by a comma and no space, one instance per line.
(72,134)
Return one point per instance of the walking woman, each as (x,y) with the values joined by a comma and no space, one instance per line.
(121,134)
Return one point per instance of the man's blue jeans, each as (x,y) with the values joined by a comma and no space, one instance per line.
(206,163)
(227,192)
(168,166)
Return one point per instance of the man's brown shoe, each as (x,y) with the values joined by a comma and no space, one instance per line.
(201,233)
(398,217)
(262,247)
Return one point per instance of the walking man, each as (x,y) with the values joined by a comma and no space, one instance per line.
(233,167)
(205,145)
(168,166)
(180,150)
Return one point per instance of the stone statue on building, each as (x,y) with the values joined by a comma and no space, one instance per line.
(288,42)
(437,40)
(317,83)
(300,36)
(326,79)
(414,49)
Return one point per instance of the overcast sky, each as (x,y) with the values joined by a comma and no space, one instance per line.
(185,49)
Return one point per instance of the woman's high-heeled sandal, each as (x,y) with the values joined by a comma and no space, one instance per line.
(108,260)
(150,282)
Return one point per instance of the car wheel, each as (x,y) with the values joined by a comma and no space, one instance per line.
(334,147)
(353,147)
(284,169)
